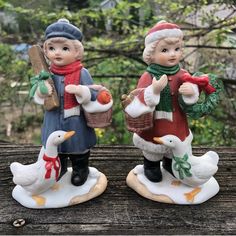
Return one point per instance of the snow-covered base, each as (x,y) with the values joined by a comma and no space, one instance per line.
(63,193)
(170,190)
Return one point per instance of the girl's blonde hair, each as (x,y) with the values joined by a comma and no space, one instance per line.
(150,48)
(76,43)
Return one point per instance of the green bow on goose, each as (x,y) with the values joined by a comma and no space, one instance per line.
(182,166)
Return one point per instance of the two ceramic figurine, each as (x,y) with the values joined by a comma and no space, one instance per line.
(156,111)
(81,107)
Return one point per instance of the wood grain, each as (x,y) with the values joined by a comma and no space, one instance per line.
(120,210)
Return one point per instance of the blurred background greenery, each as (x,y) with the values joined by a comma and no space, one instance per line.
(114,32)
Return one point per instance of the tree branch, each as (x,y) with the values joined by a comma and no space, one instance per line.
(224,80)
(209,46)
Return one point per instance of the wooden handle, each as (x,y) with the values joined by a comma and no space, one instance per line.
(39,63)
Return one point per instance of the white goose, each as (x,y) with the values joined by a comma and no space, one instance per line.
(43,174)
(189,169)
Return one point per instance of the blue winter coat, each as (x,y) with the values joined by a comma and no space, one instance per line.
(85,137)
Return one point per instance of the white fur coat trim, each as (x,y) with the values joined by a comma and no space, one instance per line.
(74,111)
(137,108)
(194,98)
(148,146)
(95,106)
(150,98)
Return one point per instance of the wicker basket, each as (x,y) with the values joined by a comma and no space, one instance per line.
(99,119)
(140,123)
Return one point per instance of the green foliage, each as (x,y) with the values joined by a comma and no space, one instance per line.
(113,41)
(14,71)
(211,132)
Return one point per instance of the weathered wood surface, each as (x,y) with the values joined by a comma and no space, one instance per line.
(119,210)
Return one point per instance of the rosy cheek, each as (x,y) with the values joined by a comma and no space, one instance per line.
(162,58)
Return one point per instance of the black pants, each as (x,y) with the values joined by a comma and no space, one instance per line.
(80,163)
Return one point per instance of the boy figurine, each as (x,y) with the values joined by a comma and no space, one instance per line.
(159,91)
(77,94)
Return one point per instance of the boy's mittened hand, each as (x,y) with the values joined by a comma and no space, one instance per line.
(159,85)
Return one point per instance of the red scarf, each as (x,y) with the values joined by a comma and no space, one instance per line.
(51,163)
(72,76)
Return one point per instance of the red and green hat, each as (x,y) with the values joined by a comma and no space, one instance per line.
(161,30)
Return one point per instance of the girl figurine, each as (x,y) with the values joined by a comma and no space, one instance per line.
(163,91)
(78,98)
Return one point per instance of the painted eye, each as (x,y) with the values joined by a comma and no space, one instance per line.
(170,141)
(177,49)
(164,50)
(51,48)
(66,49)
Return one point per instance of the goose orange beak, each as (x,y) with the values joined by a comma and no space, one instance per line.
(69,134)
(158,140)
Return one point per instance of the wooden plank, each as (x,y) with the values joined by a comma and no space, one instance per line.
(120,210)
(39,63)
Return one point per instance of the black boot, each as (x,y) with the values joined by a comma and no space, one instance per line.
(152,170)
(63,160)
(80,168)
(167,164)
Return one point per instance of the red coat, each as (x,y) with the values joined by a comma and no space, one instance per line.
(179,125)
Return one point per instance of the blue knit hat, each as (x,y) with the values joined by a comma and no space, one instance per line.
(63,28)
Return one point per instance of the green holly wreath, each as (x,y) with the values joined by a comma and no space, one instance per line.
(208,105)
